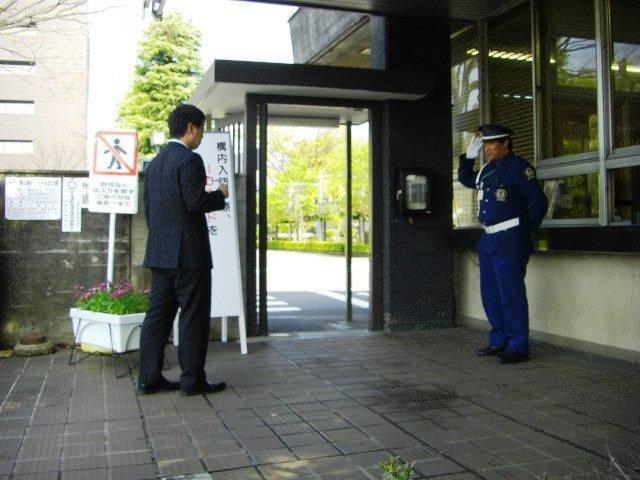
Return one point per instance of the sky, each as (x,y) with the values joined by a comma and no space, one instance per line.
(230,29)
(237,30)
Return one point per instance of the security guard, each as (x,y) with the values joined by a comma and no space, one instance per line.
(511,205)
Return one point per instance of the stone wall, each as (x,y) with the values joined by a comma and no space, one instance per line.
(40,264)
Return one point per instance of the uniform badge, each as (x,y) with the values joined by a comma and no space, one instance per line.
(529,173)
(501,195)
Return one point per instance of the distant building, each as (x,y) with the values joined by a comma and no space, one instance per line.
(43,97)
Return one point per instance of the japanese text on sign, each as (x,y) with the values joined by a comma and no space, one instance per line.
(32,198)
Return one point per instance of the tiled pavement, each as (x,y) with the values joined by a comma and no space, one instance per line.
(325,409)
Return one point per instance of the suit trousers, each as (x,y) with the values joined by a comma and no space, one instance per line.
(190,290)
(504,299)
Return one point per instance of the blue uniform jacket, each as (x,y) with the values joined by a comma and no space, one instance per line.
(507,188)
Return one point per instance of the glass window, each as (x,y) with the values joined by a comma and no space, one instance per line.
(626,195)
(16,147)
(510,76)
(15,67)
(574,197)
(17,107)
(465,101)
(569,97)
(625,72)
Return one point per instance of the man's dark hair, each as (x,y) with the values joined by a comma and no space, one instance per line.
(509,141)
(180,118)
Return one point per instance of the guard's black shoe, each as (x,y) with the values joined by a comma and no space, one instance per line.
(508,357)
(205,388)
(163,385)
(488,351)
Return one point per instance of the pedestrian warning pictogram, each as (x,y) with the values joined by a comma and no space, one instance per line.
(116,153)
(113,180)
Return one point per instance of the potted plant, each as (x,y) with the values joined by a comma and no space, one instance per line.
(109,318)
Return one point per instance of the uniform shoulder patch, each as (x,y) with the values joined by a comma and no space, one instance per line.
(530,173)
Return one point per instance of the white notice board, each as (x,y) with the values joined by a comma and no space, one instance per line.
(32,198)
(226,291)
(74,191)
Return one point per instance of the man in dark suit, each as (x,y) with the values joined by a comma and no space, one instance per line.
(179,257)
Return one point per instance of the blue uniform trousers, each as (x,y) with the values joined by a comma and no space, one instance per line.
(504,299)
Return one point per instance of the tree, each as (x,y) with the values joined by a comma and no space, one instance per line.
(167,73)
(17,15)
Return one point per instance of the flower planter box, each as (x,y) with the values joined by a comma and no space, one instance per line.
(117,333)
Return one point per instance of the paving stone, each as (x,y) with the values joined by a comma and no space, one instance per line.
(37,476)
(216,463)
(438,466)
(304,452)
(37,466)
(285,470)
(343,435)
(136,472)
(357,446)
(180,467)
(178,452)
(129,458)
(95,474)
(220,448)
(6,467)
(322,466)
(256,444)
(266,457)
(126,445)
(238,474)
(552,468)
(299,439)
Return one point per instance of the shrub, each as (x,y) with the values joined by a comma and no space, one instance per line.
(315,246)
(123,299)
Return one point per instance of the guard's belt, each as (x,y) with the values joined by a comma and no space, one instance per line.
(502,226)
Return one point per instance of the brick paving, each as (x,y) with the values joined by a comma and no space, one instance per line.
(325,408)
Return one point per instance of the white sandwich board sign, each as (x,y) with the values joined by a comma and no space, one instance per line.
(227,298)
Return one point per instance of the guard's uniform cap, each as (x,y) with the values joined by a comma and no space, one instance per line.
(493,131)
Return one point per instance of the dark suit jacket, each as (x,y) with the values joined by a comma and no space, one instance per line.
(175,202)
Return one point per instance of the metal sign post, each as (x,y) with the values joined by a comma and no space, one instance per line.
(114,182)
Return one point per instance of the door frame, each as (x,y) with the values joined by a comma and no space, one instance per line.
(255,141)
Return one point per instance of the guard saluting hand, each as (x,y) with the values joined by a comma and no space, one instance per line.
(511,205)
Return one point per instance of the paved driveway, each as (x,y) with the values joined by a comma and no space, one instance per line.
(326,408)
(306,292)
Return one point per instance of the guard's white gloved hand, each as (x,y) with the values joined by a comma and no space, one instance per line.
(474,147)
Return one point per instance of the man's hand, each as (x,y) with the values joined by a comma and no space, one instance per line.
(474,147)
(224,188)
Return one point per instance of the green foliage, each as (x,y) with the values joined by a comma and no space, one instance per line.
(167,73)
(307,180)
(358,249)
(394,469)
(121,300)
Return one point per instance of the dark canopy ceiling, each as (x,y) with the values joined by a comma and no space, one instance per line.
(454,9)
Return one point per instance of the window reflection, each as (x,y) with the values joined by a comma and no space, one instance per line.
(572,197)
(510,76)
(465,101)
(625,72)
(570,78)
(626,193)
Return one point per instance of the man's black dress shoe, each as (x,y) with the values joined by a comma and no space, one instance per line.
(488,351)
(163,385)
(205,388)
(508,357)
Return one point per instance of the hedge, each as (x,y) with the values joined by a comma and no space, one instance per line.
(315,246)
